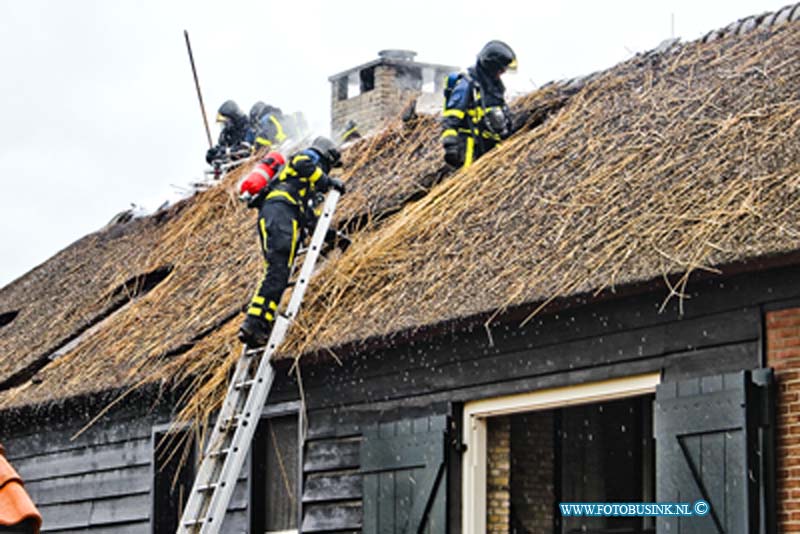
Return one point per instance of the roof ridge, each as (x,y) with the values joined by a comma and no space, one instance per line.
(789,13)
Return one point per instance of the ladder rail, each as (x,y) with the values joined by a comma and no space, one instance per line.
(194,506)
(218,471)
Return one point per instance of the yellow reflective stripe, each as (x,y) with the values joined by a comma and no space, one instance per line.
(449,133)
(302,192)
(263,226)
(280,136)
(282,194)
(469,152)
(299,157)
(349,132)
(252,310)
(269,317)
(294,242)
(476,113)
(273,306)
(316,176)
(258,300)
(457,113)
(288,171)
(262,141)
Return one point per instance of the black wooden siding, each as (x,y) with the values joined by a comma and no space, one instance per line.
(719,332)
(101,481)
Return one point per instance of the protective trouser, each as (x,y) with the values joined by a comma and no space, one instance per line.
(279,232)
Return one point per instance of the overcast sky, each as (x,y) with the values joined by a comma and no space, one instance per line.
(99,108)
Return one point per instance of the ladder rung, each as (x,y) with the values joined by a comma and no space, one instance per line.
(193,522)
(253,352)
(244,384)
(220,452)
(228,422)
(210,487)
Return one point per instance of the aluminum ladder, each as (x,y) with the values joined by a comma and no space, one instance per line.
(241,410)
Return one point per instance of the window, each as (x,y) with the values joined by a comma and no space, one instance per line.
(173,476)
(526,453)
(340,87)
(275,469)
(367,77)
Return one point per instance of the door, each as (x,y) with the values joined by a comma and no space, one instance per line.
(405,487)
(714,443)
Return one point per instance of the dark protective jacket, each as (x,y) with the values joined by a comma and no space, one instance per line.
(464,118)
(269,130)
(234,131)
(304,174)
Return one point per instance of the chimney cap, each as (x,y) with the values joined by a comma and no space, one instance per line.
(405,55)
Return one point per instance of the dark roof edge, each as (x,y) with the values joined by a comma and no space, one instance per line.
(518,313)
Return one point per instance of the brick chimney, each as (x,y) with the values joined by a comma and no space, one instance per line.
(378,91)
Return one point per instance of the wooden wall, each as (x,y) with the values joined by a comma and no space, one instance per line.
(101,481)
(719,331)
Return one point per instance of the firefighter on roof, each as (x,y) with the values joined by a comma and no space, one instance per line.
(282,199)
(476,117)
(235,126)
(267,128)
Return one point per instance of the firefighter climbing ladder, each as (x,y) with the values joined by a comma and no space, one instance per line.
(241,410)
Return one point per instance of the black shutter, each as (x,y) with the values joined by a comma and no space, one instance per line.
(712,443)
(403,464)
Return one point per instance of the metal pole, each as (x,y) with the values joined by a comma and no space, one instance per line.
(197,85)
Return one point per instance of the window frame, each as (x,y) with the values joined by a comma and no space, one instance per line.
(156,431)
(269,412)
(476,413)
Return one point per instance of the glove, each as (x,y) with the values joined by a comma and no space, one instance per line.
(212,154)
(338,185)
(453,154)
(497,122)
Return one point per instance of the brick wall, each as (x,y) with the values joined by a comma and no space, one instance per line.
(520,473)
(783,354)
(532,470)
(498,475)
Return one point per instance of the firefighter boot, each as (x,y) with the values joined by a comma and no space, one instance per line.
(254,331)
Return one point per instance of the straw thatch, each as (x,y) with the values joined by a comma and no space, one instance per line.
(666,164)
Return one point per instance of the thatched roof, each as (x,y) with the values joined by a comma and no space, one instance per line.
(672,162)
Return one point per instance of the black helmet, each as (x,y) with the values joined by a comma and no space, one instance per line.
(256,111)
(496,56)
(327,149)
(229,110)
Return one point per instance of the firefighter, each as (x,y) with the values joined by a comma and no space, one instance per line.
(282,199)
(267,128)
(235,125)
(350,132)
(476,117)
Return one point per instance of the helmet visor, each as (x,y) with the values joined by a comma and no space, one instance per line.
(512,67)
(221,118)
